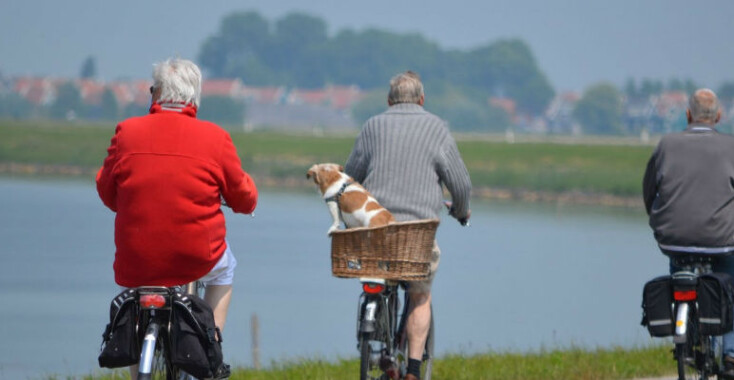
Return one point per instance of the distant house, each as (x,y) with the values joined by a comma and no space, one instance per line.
(266,107)
(300,109)
(670,108)
(559,114)
(37,91)
(264,95)
(90,91)
(230,88)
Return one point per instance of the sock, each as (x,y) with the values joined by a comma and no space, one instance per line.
(414,367)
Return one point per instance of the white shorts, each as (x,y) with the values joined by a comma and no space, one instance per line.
(223,271)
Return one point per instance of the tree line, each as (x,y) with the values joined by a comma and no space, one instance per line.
(297,51)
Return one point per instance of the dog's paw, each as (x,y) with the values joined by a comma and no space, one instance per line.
(332,229)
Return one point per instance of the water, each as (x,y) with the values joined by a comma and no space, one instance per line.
(522,277)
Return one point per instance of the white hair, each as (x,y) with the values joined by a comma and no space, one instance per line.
(178,80)
(405,88)
(704,106)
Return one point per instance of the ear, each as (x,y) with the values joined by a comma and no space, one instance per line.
(312,173)
(341,168)
(688,116)
(718,117)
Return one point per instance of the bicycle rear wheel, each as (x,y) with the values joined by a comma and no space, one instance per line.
(685,356)
(370,353)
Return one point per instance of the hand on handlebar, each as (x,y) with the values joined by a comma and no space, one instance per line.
(463,221)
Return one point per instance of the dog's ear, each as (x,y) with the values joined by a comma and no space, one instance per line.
(313,173)
(341,168)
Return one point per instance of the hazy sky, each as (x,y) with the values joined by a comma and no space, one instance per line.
(576,42)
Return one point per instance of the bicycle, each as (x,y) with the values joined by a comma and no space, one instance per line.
(695,331)
(155,319)
(381,335)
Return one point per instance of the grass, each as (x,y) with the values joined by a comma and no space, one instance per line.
(541,166)
(561,364)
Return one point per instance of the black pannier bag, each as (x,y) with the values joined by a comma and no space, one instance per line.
(657,306)
(195,340)
(120,345)
(715,303)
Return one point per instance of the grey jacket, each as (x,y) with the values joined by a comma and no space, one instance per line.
(403,156)
(688,191)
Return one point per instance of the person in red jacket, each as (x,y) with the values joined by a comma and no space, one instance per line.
(165,176)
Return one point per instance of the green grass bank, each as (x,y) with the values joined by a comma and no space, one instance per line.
(594,171)
(564,364)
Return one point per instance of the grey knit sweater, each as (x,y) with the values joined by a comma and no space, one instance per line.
(403,156)
(688,189)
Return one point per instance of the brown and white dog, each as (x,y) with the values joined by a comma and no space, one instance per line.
(345,197)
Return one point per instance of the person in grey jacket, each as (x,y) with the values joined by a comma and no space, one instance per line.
(403,156)
(688,190)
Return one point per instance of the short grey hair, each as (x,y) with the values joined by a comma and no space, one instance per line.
(704,106)
(405,88)
(178,80)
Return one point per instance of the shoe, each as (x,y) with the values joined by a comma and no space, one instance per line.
(410,376)
(728,372)
(222,372)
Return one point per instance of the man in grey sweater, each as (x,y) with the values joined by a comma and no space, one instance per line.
(403,156)
(688,190)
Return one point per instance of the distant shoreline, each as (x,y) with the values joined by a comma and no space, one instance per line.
(521,195)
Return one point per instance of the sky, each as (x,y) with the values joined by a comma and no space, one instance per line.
(576,43)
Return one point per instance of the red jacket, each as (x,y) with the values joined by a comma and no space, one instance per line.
(163,176)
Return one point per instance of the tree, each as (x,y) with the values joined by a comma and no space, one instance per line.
(630,89)
(14,106)
(296,36)
(68,103)
(237,50)
(600,110)
(222,110)
(371,104)
(299,52)
(109,108)
(726,92)
(508,68)
(650,87)
(89,68)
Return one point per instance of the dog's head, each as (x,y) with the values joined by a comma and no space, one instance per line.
(325,175)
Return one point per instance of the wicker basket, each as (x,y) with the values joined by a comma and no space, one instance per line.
(398,251)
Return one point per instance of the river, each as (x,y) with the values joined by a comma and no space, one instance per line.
(521,277)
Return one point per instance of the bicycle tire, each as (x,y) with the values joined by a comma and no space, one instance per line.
(684,356)
(368,369)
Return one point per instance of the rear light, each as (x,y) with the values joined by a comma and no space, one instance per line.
(684,295)
(372,288)
(152,301)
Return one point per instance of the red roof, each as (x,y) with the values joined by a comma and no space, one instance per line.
(221,87)
(90,90)
(268,95)
(38,91)
(507,104)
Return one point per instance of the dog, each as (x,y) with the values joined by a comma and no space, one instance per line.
(345,197)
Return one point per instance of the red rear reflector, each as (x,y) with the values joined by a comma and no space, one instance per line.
(152,301)
(371,288)
(684,295)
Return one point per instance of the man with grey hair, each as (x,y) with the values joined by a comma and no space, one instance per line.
(688,190)
(404,156)
(165,176)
